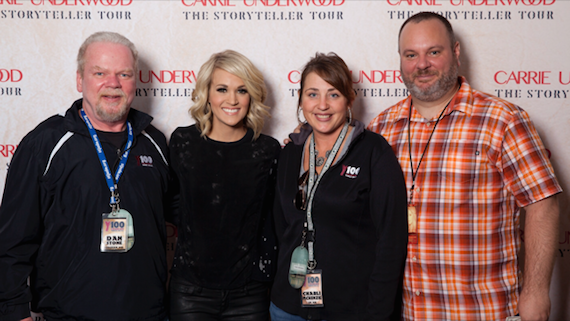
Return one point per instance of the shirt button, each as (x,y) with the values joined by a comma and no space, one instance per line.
(414,259)
(417,292)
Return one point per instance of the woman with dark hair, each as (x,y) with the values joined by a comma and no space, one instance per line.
(340,209)
(226,173)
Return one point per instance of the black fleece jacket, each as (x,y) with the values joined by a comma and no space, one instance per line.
(360,220)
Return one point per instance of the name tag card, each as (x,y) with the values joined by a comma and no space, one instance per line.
(114,233)
(312,290)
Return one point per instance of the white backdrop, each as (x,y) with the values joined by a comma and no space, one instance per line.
(515,49)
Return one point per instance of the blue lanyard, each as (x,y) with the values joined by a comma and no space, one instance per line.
(110,182)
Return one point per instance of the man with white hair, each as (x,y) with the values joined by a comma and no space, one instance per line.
(82,213)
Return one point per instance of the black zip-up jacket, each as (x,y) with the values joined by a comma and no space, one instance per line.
(50,225)
(360,220)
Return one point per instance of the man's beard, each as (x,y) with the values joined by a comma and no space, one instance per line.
(116,114)
(438,89)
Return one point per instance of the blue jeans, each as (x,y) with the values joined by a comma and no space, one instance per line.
(280,315)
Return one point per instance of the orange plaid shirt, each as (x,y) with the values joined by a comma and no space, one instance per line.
(484,162)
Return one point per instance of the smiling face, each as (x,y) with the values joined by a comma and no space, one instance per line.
(229,100)
(324,107)
(428,62)
(108,84)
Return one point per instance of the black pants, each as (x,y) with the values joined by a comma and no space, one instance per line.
(190,302)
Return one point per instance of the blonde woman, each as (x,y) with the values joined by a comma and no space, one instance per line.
(226,172)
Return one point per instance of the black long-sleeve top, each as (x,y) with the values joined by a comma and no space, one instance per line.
(226,193)
(360,230)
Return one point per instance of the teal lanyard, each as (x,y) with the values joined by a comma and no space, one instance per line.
(313,187)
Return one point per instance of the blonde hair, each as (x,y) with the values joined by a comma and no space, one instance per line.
(238,65)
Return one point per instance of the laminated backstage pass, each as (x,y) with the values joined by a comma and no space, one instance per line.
(412,225)
(117,231)
(312,290)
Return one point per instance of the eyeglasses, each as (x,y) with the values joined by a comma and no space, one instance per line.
(301,197)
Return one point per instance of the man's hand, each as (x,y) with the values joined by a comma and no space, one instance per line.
(28,319)
(287,140)
(541,231)
(534,306)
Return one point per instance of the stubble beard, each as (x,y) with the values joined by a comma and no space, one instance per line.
(438,89)
(112,115)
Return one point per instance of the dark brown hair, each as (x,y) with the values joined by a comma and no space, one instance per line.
(421,16)
(333,70)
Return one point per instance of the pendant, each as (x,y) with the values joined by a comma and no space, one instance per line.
(321,160)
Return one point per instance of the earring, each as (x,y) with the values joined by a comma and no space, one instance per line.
(300,112)
(349,116)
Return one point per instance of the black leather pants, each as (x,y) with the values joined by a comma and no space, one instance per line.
(189,302)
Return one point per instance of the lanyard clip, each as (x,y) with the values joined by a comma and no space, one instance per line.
(411,201)
(115,200)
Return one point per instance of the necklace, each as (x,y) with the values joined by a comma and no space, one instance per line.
(321,160)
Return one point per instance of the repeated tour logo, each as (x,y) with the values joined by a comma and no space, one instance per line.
(10,75)
(545,84)
(508,9)
(166,83)
(542,77)
(264,3)
(167,76)
(74,3)
(286,10)
(360,76)
(7,150)
(8,78)
(53,9)
(493,3)
(365,82)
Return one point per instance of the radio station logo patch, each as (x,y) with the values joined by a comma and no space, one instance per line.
(144,161)
(350,171)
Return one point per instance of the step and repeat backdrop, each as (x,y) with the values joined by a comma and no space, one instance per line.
(514,49)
